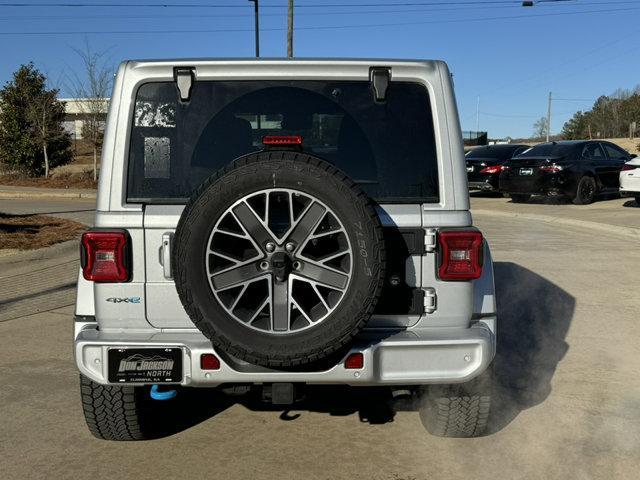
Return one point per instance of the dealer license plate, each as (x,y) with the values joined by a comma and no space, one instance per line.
(145,365)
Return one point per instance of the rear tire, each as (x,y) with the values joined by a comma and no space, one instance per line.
(637,197)
(124,413)
(520,197)
(458,411)
(586,191)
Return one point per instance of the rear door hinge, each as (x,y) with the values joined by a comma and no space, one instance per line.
(430,240)
(184,78)
(380,78)
(430,300)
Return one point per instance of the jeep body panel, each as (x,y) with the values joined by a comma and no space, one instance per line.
(453,343)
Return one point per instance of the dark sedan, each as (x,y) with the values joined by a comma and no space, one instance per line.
(579,169)
(484,164)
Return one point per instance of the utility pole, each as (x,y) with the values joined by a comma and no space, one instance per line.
(255,4)
(478,115)
(549,117)
(290,30)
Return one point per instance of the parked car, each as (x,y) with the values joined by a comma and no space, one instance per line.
(630,179)
(271,224)
(484,164)
(579,169)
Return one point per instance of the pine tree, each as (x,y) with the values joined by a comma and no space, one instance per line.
(32,138)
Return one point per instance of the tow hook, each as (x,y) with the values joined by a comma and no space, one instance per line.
(158,395)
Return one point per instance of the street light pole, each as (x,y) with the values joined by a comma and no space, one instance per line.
(290,30)
(255,4)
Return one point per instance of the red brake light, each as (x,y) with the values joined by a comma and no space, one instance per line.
(208,361)
(355,361)
(461,255)
(492,169)
(553,168)
(282,140)
(104,256)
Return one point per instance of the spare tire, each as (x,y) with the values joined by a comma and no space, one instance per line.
(279,259)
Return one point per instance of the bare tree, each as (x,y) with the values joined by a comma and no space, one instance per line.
(540,128)
(92,90)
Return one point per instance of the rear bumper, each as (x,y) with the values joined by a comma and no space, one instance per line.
(411,357)
(487,185)
(540,184)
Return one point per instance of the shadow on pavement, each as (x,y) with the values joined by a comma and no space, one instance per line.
(565,200)
(485,194)
(534,316)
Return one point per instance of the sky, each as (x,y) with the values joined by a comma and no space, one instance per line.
(507,55)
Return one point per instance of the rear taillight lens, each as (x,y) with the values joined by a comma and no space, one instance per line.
(626,167)
(553,168)
(104,256)
(494,169)
(460,255)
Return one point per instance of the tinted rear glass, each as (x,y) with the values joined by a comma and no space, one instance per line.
(548,150)
(492,152)
(388,148)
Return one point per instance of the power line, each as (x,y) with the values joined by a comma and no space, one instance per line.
(283,6)
(320,27)
(230,15)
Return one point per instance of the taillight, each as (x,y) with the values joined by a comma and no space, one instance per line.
(494,169)
(553,168)
(460,255)
(626,167)
(282,140)
(104,256)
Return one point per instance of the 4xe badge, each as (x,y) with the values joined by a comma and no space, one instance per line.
(124,300)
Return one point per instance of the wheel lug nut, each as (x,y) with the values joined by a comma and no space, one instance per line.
(297,265)
(264,265)
(290,246)
(270,247)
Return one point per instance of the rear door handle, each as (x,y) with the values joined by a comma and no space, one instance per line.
(165,255)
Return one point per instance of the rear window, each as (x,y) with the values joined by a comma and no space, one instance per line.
(492,152)
(388,148)
(548,150)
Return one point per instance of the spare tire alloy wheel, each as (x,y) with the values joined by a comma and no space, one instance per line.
(279,259)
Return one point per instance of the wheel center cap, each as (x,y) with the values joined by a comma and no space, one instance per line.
(282,265)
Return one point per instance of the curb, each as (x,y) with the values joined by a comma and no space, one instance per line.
(40,194)
(629,232)
(56,250)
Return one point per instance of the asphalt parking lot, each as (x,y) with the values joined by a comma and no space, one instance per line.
(568,389)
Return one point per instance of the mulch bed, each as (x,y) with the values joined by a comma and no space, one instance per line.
(76,180)
(28,232)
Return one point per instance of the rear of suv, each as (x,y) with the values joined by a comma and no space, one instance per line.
(276,224)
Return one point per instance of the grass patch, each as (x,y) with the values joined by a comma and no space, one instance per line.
(28,232)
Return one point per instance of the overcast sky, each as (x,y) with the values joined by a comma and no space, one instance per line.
(510,56)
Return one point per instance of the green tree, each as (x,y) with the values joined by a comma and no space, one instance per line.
(576,127)
(32,138)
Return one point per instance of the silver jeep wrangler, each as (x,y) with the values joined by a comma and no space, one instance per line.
(272,225)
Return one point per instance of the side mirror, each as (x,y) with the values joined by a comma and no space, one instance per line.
(632,155)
